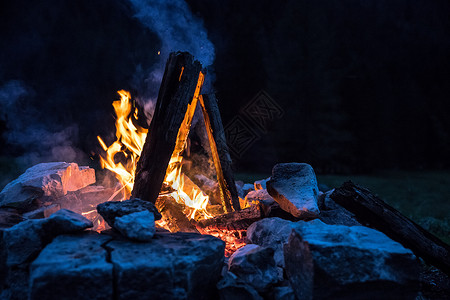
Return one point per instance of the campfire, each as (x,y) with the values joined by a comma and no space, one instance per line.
(280,238)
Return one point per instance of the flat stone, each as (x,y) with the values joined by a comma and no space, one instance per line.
(139,226)
(73,267)
(171,266)
(254,265)
(46,179)
(24,241)
(294,187)
(299,266)
(113,209)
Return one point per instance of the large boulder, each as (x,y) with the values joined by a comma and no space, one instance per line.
(171,266)
(357,261)
(348,260)
(255,266)
(46,179)
(73,267)
(294,187)
(25,240)
(112,209)
(139,226)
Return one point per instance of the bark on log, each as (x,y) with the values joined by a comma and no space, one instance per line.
(237,220)
(371,210)
(219,150)
(180,85)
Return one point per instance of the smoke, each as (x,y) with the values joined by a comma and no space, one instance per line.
(31,139)
(179,30)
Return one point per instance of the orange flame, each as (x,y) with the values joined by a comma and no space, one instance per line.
(130,141)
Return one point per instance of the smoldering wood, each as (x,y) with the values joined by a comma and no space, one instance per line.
(173,214)
(223,163)
(179,84)
(371,210)
(237,220)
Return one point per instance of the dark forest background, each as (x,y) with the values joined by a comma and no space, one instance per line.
(364,85)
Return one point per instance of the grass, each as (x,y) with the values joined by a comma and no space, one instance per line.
(424,197)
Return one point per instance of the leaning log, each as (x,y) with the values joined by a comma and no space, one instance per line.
(220,153)
(371,210)
(181,85)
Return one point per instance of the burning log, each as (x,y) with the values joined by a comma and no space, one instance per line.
(173,215)
(370,209)
(237,220)
(180,86)
(219,150)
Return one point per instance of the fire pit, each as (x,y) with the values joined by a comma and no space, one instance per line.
(177,225)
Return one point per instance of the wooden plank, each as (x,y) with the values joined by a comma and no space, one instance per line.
(181,84)
(371,210)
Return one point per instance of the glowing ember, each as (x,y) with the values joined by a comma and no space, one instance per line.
(129,143)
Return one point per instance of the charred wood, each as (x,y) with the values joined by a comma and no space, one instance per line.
(180,86)
(237,220)
(219,149)
(173,215)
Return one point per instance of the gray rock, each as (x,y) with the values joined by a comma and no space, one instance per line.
(73,267)
(359,262)
(113,209)
(294,187)
(9,217)
(299,266)
(230,288)
(138,226)
(171,266)
(42,212)
(259,196)
(254,265)
(346,259)
(271,232)
(261,184)
(25,240)
(339,216)
(283,293)
(46,179)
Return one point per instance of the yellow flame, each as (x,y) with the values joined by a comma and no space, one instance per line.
(130,141)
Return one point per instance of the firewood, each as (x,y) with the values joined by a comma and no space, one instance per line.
(219,150)
(173,215)
(180,86)
(371,210)
(237,220)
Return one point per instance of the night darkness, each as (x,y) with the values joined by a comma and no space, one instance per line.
(363,85)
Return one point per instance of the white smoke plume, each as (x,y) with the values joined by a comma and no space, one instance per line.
(178,30)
